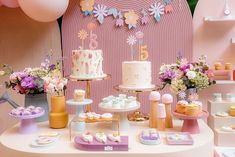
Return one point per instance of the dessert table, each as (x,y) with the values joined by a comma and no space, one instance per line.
(13,144)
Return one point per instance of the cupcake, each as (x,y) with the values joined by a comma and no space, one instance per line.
(218,66)
(79,95)
(180,106)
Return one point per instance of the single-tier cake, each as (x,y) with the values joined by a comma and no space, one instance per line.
(136,74)
(87,64)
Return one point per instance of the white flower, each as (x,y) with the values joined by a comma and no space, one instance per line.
(100,12)
(51,86)
(60,86)
(191,75)
(131,40)
(157,9)
(182,95)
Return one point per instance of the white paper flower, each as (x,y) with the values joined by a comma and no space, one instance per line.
(191,75)
(100,12)
(182,95)
(157,9)
(131,40)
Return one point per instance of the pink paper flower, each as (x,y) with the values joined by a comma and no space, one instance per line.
(168,9)
(119,22)
(144,20)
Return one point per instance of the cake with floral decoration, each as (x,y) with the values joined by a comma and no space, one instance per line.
(137,73)
(87,63)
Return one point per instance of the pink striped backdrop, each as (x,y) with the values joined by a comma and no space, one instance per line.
(165,39)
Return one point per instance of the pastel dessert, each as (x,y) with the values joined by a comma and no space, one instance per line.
(230,97)
(114,137)
(120,102)
(101,137)
(79,95)
(30,110)
(87,64)
(222,114)
(180,106)
(217,97)
(192,110)
(228,66)
(87,137)
(107,116)
(232,111)
(150,137)
(218,66)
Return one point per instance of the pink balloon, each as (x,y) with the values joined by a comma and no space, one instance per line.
(10,3)
(44,10)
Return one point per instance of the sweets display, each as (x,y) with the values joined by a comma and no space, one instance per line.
(191,109)
(137,74)
(179,138)
(28,111)
(120,102)
(79,95)
(87,64)
(150,137)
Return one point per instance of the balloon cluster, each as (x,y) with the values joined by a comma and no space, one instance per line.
(39,10)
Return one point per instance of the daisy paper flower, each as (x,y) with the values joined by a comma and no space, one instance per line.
(131,19)
(87,6)
(157,10)
(82,34)
(100,12)
(131,40)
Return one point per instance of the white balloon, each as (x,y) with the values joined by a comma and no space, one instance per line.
(44,10)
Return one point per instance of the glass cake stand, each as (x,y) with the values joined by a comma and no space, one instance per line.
(88,85)
(137,116)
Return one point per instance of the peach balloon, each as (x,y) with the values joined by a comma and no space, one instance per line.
(44,10)
(10,3)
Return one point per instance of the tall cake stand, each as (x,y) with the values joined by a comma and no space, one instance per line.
(190,122)
(79,125)
(122,114)
(137,115)
(88,85)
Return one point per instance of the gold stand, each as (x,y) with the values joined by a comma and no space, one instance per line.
(137,115)
(88,86)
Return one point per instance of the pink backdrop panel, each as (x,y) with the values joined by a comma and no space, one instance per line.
(164,40)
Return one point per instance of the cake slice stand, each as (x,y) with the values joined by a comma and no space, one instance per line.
(79,125)
(137,115)
(88,84)
(122,114)
(190,123)
(28,124)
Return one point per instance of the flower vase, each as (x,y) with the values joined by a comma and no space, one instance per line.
(58,117)
(38,100)
(189,95)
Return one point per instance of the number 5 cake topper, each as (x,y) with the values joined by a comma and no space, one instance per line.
(142,48)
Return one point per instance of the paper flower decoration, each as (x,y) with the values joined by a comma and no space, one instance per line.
(113,12)
(168,9)
(145,18)
(100,12)
(120,21)
(131,40)
(182,95)
(157,9)
(87,6)
(131,19)
(193,97)
(167,2)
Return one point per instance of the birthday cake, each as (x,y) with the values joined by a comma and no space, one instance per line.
(87,64)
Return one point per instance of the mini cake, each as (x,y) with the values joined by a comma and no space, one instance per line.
(87,64)
(137,74)
(228,66)
(232,111)
(30,110)
(150,137)
(222,114)
(79,95)
(107,116)
(180,106)
(101,137)
(87,137)
(218,66)
(192,110)
(114,137)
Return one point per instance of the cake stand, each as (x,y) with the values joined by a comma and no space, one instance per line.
(79,125)
(190,122)
(88,85)
(121,113)
(137,115)
(27,124)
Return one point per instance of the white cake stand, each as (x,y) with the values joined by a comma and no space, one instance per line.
(88,84)
(79,125)
(137,115)
(121,113)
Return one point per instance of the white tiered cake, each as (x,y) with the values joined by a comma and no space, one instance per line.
(136,75)
(87,64)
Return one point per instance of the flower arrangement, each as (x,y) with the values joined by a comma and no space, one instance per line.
(184,75)
(34,81)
